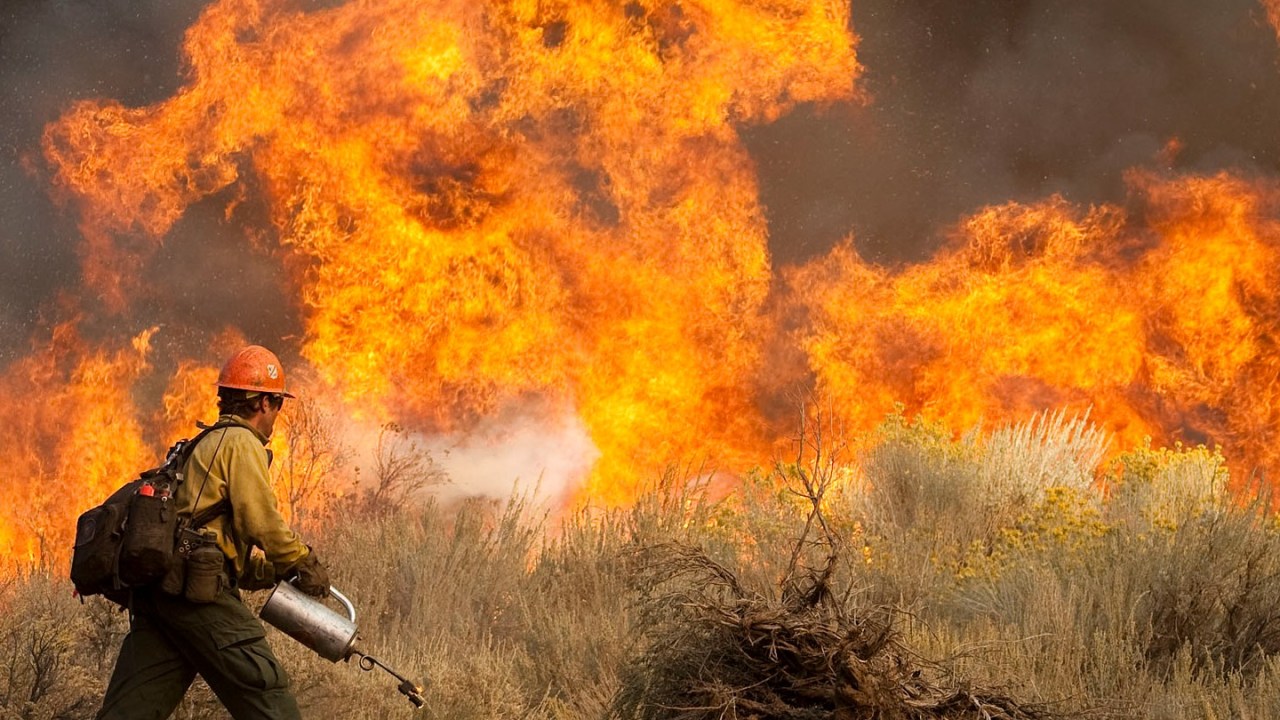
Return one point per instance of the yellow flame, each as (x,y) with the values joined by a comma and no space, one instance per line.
(497,199)
(1162,320)
(71,438)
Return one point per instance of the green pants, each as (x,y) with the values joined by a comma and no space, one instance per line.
(171,640)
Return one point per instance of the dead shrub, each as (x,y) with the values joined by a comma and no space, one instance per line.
(712,648)
(715,650)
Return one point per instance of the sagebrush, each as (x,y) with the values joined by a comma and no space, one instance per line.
(1006,565)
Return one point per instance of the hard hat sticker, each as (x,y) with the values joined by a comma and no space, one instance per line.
(272,372)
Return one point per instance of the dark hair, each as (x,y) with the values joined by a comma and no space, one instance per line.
(238,402)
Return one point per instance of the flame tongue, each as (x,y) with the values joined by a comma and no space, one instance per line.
(1160,328)
(496,199)
(70,438)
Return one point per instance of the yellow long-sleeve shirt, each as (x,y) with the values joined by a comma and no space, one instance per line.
(234,460)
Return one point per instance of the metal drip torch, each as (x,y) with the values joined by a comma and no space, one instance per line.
(332,636)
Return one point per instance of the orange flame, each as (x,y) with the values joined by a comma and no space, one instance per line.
(548,205)
(1162,318)
(70,438)
(497,199)
(190,397)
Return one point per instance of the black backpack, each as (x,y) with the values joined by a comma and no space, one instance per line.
(128,541)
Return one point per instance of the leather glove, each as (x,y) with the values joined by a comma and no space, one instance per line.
(310,577)
(259,574)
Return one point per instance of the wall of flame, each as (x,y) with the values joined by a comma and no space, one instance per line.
(550,204)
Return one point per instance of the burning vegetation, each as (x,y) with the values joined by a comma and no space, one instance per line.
(1161,316)
(512,200)
(549,206)
(475,210)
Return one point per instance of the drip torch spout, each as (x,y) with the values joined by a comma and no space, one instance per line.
(407,687)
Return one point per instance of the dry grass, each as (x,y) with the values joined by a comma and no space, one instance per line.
(887,585)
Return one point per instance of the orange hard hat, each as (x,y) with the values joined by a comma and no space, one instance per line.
(256,369)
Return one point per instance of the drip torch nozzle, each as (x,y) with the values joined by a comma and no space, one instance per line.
(413,692)
(406,687)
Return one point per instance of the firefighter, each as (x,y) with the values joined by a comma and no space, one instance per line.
(172,638)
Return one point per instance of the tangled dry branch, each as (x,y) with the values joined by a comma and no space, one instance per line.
(716,651)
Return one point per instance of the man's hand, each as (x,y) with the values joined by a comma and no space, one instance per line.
(310,576)
(259,573)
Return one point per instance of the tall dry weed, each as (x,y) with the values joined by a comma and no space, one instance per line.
(1000,558)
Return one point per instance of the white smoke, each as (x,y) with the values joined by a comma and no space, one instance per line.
(528,450)
(546,457)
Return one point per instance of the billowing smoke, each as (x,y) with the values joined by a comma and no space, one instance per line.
(978,103)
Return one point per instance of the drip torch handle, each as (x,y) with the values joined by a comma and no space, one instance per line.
(351,609)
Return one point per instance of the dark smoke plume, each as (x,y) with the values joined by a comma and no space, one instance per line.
(987,101)
(208,275)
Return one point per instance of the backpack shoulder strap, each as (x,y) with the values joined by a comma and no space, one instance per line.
(202,518)
(183,452)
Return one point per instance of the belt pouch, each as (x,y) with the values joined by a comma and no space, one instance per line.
(205,574)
